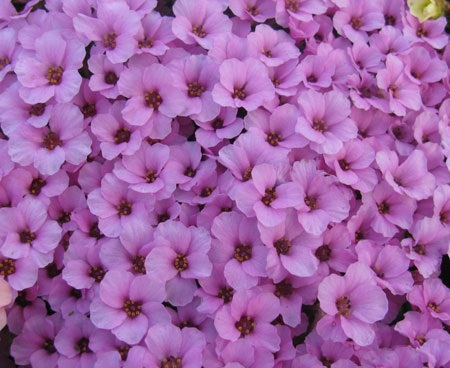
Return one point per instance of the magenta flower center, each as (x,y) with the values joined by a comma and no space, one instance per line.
(269,197)
(226,209)
(226,294)
(276,82)
(153,99)
(132,308)
(247,175)
(421,339)
(390,20)
(434,307)
(163,217)
(292,5)
(323,253)
(151,176)
(217,123)
(37,109)
(243,252)
(7,267)
(327,362)
(109,40)
(123,352)
(199,31)
(171,362)
(356,23)
(283,288)
(252,10)
(26,236)
(419,249)
(54,75)
(146,43)
(311,202)
(344,165)
(195,89)
(383,208)
(65,240)
(21,299)
(190,172)
(51,140)
(421,32)
(245,325)
(36,186)
(359,235)
(267,53)
(443,217)
(48,346)
(122,136)
(343,306)
(111,78)
(207,191)
(394,90)
(94,231)
(82,345)
(64,217)
(181,263)
(282,245)
(273,138)
(138,264)
(312,79)
(89,110)
(124,208)
(4,61)
(319,125)
(239,93)
(97,273)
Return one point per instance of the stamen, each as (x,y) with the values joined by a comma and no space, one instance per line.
(54,75)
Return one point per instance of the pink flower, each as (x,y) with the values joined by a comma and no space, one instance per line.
(5,299)
(155,34)
(106,76)
(255,10)
(354,301)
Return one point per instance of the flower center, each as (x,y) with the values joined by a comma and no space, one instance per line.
(122,136)
(312,79)
(36,186)
(434,307)
(421,339)
(48,346)
(356,23)
(26,236)
(344,165)
(94,231)
(54,75)
(319,125)
(163,217)
(207,191)
(4,61)
(273,138)
(89,110)
(151,176)
(383,208)
(394,90)
(181,263)
(343,306)
(247,175)
(267,53)
(111,78)
(190,172)
(311,202)
(138,264)
(217,123)
(7,267)
(390,20)
(51,140)
(146,43)
(97,273)
(323,253)
(359,235)
(327,362)
(292,5)
(171,362)
(419,249)
(132,308)
(243,252)
(239,93)
(83,346)
(65,240)
(188,323)
(123,352)
(245,325)
(226,294)
(421,32)
(109,40)
(37,109)
(283,288)
(276,82)
(153,99)
(199,31)
(282,245)
(269,197)
(195,89)
(64,217)
(21,299)
(124,208)
(443,217)
(252,10)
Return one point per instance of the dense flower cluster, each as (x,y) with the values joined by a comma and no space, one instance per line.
(224,183)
